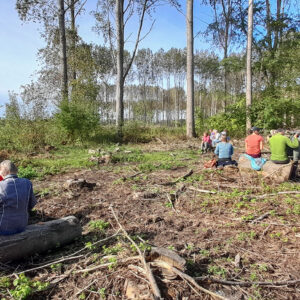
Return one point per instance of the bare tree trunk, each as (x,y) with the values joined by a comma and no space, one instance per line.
(120,70)
(248,66)
(190,121)
(63,47)
(74,34)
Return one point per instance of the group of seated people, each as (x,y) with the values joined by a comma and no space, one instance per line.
(254,142)
(211,139)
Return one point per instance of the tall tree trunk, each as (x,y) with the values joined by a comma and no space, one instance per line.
(248,67)
(190,121)
(63,48)
(74,37)
(120,69)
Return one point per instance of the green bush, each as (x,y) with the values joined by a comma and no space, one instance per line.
(234,120)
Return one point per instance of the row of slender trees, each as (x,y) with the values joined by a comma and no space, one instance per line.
(112,71)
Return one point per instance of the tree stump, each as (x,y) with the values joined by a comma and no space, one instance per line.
(274,172)
(39,238)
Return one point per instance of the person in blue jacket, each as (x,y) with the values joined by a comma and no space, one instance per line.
(16,200)
(224,151)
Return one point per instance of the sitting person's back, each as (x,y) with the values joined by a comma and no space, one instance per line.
(278,147)
(254,143)
(224,150)
(16,199)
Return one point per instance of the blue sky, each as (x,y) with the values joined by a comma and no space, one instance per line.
(21,41)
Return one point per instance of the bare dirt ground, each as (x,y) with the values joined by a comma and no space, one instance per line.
(216,233)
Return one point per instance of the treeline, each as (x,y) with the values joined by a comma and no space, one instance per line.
(83,86)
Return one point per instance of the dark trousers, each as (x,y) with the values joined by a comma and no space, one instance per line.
(281,162)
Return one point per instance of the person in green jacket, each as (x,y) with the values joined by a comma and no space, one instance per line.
(278,146)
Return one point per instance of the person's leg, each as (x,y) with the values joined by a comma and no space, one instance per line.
(296,154)
(205,146)
(294,170)
(280,162)
(202,146)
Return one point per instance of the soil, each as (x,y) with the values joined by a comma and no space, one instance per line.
(208,230)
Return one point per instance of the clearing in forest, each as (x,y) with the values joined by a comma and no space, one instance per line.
(240,238)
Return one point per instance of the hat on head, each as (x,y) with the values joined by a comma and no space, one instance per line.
(223,133)
(254,128)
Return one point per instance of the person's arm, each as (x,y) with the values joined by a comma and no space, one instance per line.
(261,144)
(231,150)
(246,145)
(294,143)
(217,150)
(32,201)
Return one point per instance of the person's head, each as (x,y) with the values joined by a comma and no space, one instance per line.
(255,130)
(205,134)
(280,131)
(223,137)
(7,167)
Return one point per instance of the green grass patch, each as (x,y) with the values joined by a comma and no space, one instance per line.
(59,162)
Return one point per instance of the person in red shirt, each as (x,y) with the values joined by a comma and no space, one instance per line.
(254,143)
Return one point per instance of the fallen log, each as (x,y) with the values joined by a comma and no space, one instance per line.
(38,238)
(274,172)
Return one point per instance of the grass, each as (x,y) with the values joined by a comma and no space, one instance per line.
(58,161)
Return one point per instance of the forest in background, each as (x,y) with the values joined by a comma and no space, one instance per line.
(76,97)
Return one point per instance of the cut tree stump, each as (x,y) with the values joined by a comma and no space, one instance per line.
(39,238)
(274,172)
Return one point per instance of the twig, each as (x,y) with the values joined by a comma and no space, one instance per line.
(247,284)
(85,288)
(190,172)
(260,218)
(154,287)
(273,194)
(201,191)
(188,278)
(124,178)
(106,265)
(172,204)
(48,264)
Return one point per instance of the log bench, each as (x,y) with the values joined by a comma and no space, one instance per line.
(39,238)
(274,172)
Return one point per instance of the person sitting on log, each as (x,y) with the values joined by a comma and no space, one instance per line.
(279,144)
(224,150)
(254,143)
(206,143)
(16,200)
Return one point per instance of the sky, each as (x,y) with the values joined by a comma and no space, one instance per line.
(21,41)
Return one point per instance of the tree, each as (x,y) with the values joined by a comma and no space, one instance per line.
(248,67)
(223,31)
(63,49)
(52,14)
(190,120)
